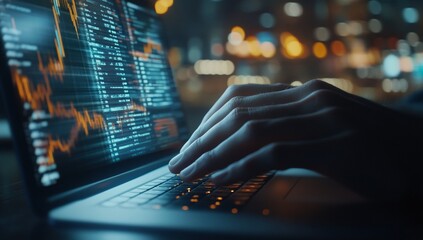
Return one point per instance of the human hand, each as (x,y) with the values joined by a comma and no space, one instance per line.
(253,129)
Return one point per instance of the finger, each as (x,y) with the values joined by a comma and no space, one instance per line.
(236,91)
(263,99)
(256,134)
(283,155)
(239,116)
(320,90)
(243,90)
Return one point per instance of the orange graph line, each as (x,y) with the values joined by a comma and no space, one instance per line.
(53,68)
(72,11)
(74,15)
(41,95)
(168,124)
(58,40)
(120,120)
(137,107)
(148,49)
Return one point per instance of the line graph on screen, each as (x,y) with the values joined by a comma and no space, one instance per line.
(39,96)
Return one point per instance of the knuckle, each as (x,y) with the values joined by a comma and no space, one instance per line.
(205,159)
(323,95)
(239,114)
(198,142)
(235,102)
(317,84)
(253,128)
(208,156)
(234,90)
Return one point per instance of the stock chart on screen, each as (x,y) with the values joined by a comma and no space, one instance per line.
(94,82)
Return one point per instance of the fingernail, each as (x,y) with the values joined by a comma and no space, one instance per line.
(188,171)
(175,160)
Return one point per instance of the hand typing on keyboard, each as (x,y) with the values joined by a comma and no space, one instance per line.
(252,129)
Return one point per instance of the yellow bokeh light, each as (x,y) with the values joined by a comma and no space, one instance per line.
(167,3)
(239,30)
(268,50)
(294,48)
(242,50)
(253,46)
(160,7)
(230,48)
(235,38)
(319,50)
(291,46)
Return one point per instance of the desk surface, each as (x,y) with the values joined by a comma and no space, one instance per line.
(18,222)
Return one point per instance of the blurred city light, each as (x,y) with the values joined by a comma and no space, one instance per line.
(291,47)
(410,15)
(391,66)
(236,36)
(239,80)
(338,48)
(343,84)
(322,34)
(162,6)
(267,20)
(319,50)
(293,9)
(374,7)
(214,67)
(296,83)
(371,48)
(375,25)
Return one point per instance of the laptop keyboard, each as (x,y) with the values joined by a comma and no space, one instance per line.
(169,191)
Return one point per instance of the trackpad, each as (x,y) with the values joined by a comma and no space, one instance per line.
(312,187)
(297,193)
(321,190)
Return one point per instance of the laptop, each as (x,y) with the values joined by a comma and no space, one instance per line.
(96,116)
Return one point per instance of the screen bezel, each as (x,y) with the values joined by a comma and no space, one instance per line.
(38,194)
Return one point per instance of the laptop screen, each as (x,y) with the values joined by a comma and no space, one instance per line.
(93,83)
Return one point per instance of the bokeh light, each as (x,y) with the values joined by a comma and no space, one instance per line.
(322,34)
(391,66)
(360,41)
(267,20)
(410,15)
(293,9)
(319,50)
(338,48)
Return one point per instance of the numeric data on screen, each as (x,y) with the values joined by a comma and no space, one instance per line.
(93,80)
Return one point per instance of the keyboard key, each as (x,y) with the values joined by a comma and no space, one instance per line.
(129,194)
(171,192)
(119,199)
(129,205)
(145,196)
(138,201)
(154,191)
